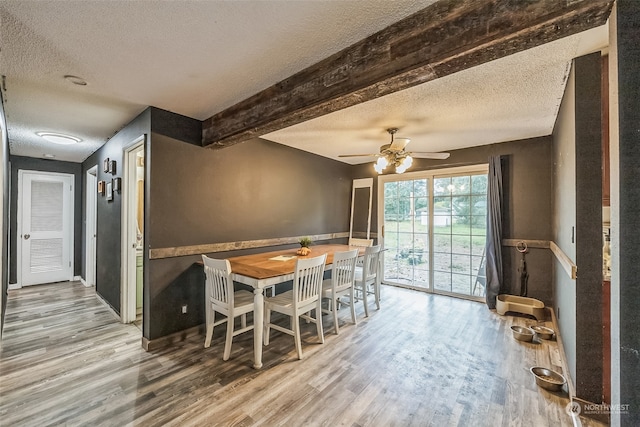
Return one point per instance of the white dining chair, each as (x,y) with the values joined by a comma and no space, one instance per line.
(366,277)
(360,242)
(340,284)
(221,298)
(299,302)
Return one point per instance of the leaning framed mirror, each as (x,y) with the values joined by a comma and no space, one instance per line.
(361,202)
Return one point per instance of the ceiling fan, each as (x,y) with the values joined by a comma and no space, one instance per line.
(394,154)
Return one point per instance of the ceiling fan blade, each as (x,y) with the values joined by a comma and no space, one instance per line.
(398,144)
(359,155)
(437,156)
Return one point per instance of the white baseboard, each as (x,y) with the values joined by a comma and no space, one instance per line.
(76,278)
(85,284)
(13,286)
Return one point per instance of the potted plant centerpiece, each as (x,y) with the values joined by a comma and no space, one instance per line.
(304,250)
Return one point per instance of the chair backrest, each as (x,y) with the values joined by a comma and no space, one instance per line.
(344,269)
(360,242)
(307,279)
(218,284)
(370,264)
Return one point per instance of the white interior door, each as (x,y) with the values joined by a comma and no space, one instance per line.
(90,234)
(45,240)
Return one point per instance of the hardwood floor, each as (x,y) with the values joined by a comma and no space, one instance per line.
(422,360)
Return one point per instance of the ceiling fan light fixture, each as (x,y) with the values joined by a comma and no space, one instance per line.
(59,138)
(404,164)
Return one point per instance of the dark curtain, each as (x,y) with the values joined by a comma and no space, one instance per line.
(494,231)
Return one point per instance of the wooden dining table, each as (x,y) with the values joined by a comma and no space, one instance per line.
(265,269)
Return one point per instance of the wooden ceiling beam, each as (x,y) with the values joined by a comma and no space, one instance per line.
(442,39)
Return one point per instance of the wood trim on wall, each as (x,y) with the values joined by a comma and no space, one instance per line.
(569,266)
(178,251)
(565,261)
(542,244)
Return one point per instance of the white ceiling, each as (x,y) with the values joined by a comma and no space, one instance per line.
(198,57)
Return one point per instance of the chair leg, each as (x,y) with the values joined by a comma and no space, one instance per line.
(376,289)
(353,307)
(364,300)
(295,325)
(319,320)
(335,317)
(267,325)
(210,317)
(243,321)
(227,343)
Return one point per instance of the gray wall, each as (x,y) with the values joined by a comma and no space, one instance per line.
(253,190)
(578,206)
(626,314)
(527,171)
(589,360)
(564,220)
(193,195)
(42,165)
(108,242)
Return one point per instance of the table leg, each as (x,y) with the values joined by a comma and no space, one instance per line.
(258,322)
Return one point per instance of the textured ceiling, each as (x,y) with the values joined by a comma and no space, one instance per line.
(515,97)
(198,57)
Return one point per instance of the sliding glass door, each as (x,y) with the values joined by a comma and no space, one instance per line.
(434,230)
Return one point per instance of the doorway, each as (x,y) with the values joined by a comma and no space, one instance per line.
(91,226)
(133,233)
(434,230)
(45,227)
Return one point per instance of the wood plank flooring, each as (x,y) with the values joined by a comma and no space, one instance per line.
(423,360)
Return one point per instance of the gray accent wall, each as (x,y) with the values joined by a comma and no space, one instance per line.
(589,361)
(578,206)
(626,311)
(253,190)
(564,220)
(108,242)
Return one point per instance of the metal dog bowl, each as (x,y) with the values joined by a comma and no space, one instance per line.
(548,379)
(543,332)
(522,333)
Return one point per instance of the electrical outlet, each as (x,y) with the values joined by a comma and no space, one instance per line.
(184,309)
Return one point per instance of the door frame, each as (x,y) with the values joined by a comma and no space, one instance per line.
(128,237)
(19,212)
(91,228)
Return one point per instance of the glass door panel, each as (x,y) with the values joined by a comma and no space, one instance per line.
(406,224)
(435,232)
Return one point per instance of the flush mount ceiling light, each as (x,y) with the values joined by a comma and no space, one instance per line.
(59,138)
(75,80)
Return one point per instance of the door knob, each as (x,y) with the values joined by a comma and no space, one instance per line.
(26,236)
